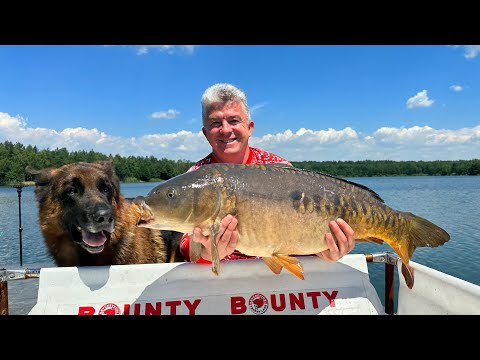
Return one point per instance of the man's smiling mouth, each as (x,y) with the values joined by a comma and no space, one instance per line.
(228,141)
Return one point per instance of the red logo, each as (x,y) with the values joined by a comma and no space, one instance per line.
(109,309)
(258,304)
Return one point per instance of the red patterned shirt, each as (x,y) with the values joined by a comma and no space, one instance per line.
(257,156)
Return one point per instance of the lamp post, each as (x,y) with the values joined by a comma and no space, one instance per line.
(19,188)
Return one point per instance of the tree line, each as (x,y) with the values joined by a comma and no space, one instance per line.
(15,157)
(368,168)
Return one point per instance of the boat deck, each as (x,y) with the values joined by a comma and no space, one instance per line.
(22,296)
(23,293)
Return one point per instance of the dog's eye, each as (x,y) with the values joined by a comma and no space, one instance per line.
(171,192)
(104,188)
(71,190)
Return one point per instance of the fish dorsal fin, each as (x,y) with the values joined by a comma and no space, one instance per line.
(273,264)
(291,264)
(305,171)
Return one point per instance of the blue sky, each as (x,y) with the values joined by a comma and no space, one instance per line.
(312,102)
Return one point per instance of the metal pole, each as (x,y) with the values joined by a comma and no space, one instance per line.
(389,288)
(390,262)
(19,191)
(3,296)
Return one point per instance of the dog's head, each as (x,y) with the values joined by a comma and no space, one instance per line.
(81,198)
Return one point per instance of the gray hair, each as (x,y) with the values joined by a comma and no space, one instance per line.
(222,93)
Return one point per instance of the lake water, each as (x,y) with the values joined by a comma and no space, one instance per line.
(451,202)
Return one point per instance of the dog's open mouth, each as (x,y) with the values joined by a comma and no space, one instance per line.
(91,242)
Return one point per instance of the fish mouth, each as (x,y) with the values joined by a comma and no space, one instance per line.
(146,218)
(143,211)
(91,241)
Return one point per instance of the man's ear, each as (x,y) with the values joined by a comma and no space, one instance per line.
(204,132)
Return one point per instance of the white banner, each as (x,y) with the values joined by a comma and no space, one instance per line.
(244,287)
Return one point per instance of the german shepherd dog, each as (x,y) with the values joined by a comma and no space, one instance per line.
(86,221)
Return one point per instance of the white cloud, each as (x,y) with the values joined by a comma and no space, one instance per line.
(386,143)
(419,100)
(426,135)
(169,114)
(471,51)
(256,107)
(169,49)
(456,88)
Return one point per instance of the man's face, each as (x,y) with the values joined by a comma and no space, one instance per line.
(228,129)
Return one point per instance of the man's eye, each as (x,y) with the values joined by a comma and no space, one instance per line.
(215,124)
(234,122)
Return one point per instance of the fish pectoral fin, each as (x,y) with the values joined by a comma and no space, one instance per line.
(214,228)
(273,264)
(195,249)
(292,264)
(407,275)
(372,239)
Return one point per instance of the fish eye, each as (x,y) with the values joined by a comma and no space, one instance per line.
(171,192)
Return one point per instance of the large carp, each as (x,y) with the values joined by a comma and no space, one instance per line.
(282,211)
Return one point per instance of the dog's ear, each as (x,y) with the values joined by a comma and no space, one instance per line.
(105,164)
(42,180)
(108,167)
(41,177)
(31,171)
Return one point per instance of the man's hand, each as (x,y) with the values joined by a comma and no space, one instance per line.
(345,241)
(227,238)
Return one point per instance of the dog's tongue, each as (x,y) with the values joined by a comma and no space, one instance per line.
(93,239)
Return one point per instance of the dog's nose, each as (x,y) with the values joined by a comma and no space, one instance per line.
(103,215)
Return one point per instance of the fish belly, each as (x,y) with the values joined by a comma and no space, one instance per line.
(267,228)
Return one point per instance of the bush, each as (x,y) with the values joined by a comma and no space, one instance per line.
(131,179)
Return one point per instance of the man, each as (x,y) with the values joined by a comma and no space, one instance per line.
(228,127)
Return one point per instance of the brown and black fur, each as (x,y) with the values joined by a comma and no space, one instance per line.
(86,196)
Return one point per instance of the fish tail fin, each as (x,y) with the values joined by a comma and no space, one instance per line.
(426,233)
(273,264)
(420,233)
(290,263)
(215,262)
